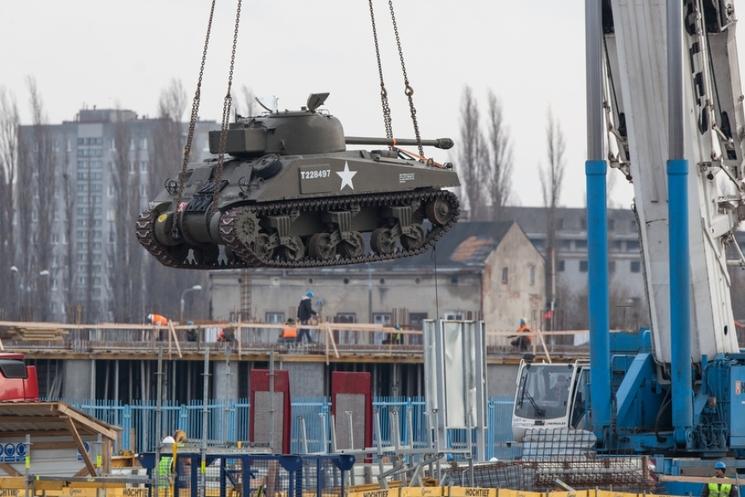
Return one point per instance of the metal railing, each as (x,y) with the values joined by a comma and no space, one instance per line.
(228,422)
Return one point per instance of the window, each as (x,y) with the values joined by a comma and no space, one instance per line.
(560,265)
(274,317)
(384,318)
(453,316)
(531,272)
(583,266)
(636,266)
(583,223)
(454,280)
(611,266)
(565,244)
(416,319)
(505,275)
(632,245)
(580,244)
(611,224)
(345,317)
(538,243)
(560,224)
(616,245)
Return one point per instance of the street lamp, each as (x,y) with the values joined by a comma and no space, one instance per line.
(195,288)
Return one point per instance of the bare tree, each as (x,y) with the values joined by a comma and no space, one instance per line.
(552,178)
(120,270)
(249,101)
(166,154)
(172,102)
(499,169)
(471,153)
(68,200)
(9,122)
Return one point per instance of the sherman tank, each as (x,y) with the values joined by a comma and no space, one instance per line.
(290,195)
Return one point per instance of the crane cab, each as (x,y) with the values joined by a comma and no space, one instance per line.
(550,396)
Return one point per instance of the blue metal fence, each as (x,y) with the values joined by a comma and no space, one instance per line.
(229,421)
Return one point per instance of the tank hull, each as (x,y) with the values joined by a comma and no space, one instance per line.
(301,211)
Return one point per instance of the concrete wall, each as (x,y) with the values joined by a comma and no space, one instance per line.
(500,379)
(76,383)
(225,381)
(306,379)
(349,292)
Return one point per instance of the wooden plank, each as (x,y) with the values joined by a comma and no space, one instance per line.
(175,340)
(9,470)
(23,418)
(81,447)
(92,425)
(698,479)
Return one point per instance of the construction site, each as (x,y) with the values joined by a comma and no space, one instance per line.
(350,321)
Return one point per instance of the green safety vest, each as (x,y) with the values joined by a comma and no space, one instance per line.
(164,469)
(719,490)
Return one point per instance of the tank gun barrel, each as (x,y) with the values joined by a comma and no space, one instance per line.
(443,143)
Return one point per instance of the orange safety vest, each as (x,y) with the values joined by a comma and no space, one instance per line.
(523,328)
(289,331)
(159,320)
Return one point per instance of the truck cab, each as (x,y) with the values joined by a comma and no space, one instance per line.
(550,396)
(18,382)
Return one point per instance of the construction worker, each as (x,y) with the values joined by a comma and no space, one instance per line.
(289,332)
(159,320)
(395,337)
(165,465)
(183,464)
(720,489)
(304,314)
(521,342)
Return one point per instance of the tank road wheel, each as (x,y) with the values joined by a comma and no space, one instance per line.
(351,245)
(414,237)
(321,247)
(291,249)
(439,212)
(383,241)
(265,246)
(209,254)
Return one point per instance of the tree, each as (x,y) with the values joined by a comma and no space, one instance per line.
(69,202)
(249,101)
(471,153)
(125,198)
(499,170)
(552,178)
(166,155)
(9,122)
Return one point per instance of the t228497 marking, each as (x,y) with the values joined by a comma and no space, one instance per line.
(315,174)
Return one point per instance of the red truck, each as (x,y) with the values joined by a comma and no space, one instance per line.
(18,382)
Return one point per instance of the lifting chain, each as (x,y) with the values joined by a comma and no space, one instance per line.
(226,110)
(383,91)
(408,89)
(194,109)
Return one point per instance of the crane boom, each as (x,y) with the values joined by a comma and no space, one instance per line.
(637,71)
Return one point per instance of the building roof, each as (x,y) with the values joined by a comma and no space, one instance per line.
(466,244)
(39,417)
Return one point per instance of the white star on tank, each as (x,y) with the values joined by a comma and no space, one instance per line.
(346,177)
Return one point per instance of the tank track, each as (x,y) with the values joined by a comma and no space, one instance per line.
(247,257)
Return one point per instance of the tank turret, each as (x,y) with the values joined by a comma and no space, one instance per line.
(292,195)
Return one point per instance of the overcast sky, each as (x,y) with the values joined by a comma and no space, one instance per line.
(108,53)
